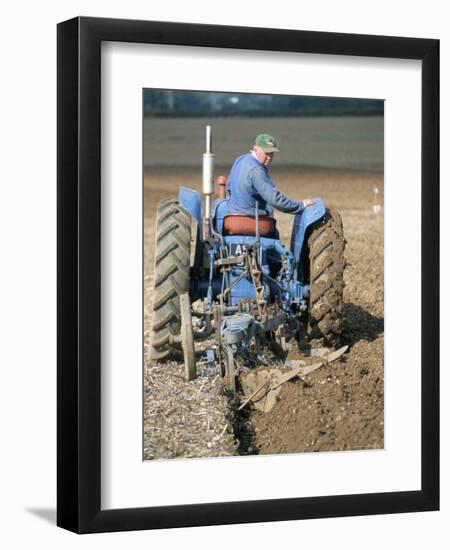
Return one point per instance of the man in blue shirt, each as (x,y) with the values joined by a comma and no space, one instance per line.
(249,181)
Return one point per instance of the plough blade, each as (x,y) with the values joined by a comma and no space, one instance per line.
(263,386)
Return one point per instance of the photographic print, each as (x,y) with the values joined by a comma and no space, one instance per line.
(263,274)
(242,317)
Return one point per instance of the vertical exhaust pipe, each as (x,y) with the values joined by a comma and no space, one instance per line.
(208,185)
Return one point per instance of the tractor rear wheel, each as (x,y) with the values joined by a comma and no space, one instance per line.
(171,278)
(326,245)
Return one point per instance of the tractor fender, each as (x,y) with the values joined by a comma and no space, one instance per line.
(301,223)
(190,200)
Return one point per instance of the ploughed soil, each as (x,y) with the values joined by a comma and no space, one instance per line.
(341,406)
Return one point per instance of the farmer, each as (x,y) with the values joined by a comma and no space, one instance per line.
(249,181)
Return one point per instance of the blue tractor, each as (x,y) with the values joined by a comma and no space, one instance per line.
(250,292)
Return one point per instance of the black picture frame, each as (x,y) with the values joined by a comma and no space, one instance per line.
(79,275)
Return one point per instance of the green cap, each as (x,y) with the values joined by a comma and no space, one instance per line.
(267,143)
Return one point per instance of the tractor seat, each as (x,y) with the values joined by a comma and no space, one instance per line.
(246,226)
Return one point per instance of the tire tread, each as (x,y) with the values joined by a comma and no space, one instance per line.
(171,277)
(326,255)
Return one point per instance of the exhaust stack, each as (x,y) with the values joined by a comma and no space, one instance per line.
(208,186)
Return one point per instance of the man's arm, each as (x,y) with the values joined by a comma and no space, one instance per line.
(264,186)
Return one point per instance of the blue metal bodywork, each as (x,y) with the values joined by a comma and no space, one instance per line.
(190,200)
(219,211)
(301,223)
(270,254)
(280,268)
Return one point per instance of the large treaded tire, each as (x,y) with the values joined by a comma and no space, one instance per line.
(326,245)
(171,277)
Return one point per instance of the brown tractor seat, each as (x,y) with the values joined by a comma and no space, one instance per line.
(246,226)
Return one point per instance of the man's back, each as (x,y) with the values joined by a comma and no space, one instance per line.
(248,182)
(240,186)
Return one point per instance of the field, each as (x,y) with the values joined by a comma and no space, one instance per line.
(342,406)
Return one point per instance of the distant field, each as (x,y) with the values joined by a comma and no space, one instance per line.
(331,142)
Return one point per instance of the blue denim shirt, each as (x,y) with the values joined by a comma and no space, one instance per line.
(248,182)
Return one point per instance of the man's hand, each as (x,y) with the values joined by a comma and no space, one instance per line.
(308,202)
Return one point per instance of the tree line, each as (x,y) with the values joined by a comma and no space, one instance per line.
(197,103)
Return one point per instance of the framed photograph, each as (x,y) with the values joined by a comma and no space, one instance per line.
(248,288)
